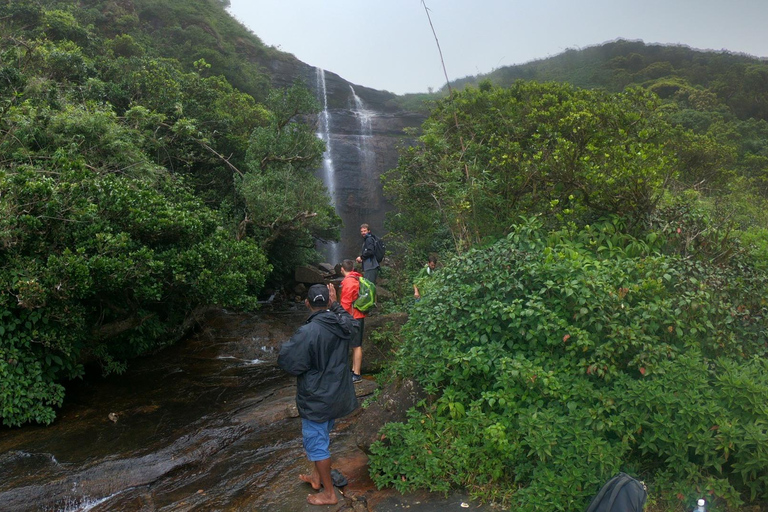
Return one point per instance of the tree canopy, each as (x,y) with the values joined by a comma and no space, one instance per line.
(138,186)
(487,155)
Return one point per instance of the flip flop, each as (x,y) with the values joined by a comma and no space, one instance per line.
(339,480)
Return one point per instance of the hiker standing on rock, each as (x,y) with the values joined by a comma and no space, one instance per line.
(318,355)
(368,254)
(350,290)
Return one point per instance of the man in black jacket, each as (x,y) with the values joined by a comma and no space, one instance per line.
(318,354)
(368,254)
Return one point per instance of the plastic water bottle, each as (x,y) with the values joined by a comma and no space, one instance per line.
(700,506)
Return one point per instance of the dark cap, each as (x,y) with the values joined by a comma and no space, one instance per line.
(318,296)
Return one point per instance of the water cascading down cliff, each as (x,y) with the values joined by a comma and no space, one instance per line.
(331,250)
(361,144)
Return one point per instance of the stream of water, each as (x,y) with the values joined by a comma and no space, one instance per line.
(208,424)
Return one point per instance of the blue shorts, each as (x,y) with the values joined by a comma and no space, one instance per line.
(317,439)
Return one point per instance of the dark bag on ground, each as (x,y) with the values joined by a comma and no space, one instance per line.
(621,493)
(366,295)
(379,249)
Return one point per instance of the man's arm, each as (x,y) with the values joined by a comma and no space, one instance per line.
(417,281)
(368,251)
(346,320)
(294,354)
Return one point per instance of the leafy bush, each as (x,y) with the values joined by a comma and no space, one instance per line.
(103,266)
(557,360)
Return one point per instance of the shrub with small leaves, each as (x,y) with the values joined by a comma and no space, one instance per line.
(556,360)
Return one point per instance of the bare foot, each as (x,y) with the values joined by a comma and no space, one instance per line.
(313,480)
(323,498)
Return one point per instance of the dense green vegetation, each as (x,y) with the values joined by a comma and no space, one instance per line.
(559,358)
(601,306)
(604,308)
(720,98)
(718,94)
(138,185)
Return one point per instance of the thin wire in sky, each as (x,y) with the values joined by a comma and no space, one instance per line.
(440,51)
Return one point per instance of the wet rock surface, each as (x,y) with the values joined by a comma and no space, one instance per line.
(209,424)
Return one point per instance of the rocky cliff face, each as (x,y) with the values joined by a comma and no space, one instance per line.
(364,130)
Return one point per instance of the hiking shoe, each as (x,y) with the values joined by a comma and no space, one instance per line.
(356,378)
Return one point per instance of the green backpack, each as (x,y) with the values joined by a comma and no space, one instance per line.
(366,295)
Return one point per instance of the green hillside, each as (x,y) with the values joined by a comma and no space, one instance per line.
(179,30)
(143,169)
(739,82)
(719,94)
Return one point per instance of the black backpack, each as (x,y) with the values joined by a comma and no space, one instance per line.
(379,249)
(621,493)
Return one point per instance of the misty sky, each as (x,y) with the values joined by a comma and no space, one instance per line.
(388,44)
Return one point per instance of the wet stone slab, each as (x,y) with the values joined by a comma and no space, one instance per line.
(209,424)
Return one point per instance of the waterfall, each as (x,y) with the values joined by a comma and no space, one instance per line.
(364,117)
(324,122)
(331,250)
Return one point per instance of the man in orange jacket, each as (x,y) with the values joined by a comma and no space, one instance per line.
(350,289)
